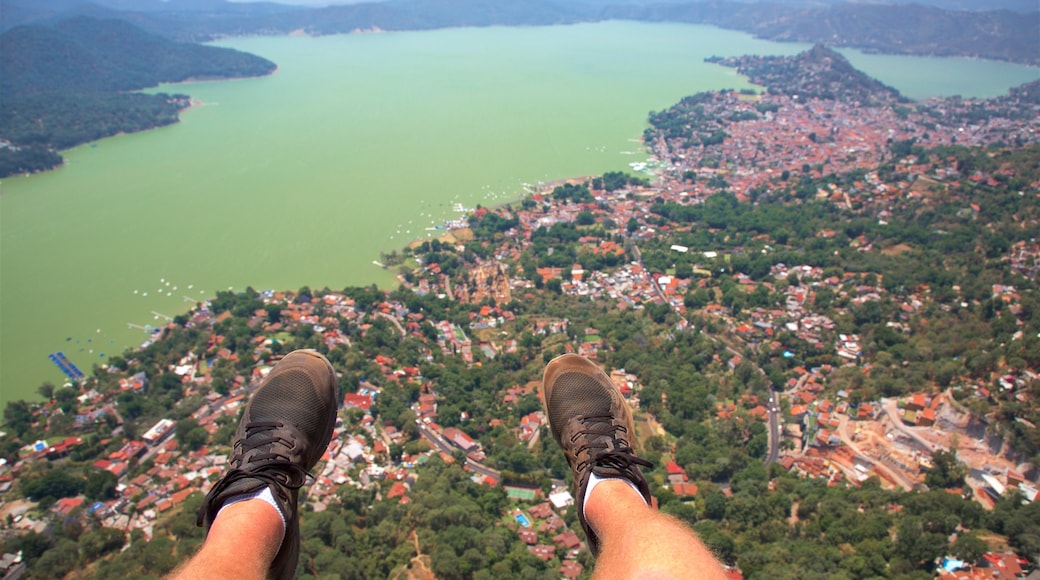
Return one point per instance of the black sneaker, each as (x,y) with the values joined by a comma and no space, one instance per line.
(285,429)
(593,425)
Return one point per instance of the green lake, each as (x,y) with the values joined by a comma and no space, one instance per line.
(358,144)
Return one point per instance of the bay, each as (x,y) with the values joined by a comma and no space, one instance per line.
(357,145)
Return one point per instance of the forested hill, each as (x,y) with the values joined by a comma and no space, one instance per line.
(85,54)
(67,84)
(819,72)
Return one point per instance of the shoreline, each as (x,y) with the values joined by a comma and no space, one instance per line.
(201,80)
(192,104)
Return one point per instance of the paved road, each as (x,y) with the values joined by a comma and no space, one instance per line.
(891,407)
(394,321)
(441,444)
(774,428)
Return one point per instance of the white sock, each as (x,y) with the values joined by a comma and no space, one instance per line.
(264,495)
(595,480)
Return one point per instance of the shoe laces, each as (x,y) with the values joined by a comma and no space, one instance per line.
(261,434)
(604,447)
(274,466)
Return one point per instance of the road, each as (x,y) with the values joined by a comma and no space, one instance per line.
(891,407)
(774,428)
(394,321)
(439,443)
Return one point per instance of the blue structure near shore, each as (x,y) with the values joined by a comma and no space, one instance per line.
(66,366)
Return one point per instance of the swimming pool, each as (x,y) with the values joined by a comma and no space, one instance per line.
(523,521)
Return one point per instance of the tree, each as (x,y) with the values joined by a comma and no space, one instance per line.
(969,547)
(715,506)
(46,390)
(101,485)
(52,485)
(32,545)
(97,543)
(190,434)
(18,417)
(58,561)
(946,472)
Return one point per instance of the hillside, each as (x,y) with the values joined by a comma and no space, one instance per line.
(68,84)
(816,73)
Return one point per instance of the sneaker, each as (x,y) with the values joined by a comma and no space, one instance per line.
(285,429)
(593,425)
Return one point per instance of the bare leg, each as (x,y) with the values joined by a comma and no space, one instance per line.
(592,424)
(637,541)
(241,543)
(286,426)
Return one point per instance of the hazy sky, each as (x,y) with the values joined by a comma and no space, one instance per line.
(309,2)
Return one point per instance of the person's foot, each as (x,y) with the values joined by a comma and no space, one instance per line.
(593,425)
(285,429)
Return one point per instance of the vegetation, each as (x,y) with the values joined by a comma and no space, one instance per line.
(67,84)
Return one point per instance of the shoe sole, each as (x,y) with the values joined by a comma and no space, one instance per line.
(328,391)
(333,388)
(578,364)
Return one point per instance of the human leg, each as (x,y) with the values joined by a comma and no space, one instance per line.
(637,541)
(592,423)
(284,431)
(251,527)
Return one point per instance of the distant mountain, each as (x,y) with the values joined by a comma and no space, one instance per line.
(897,28)
(816,73)
(70,83)
(884,28)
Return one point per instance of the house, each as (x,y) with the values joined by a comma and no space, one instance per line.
(676,474)
(460,439)
(543,551)
(66,504)
(357,401)
(916,402)
(571,569)
(568,540)
(541,511)
(398,489)
(926,418)
(685,489)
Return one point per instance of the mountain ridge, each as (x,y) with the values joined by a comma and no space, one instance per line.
(908,28)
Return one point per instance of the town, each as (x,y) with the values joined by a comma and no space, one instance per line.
(810,352)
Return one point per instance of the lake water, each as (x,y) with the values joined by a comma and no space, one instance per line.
(354,147)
